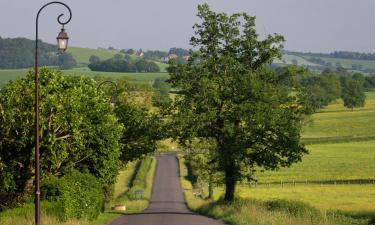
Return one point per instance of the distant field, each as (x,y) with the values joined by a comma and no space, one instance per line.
(338,121)
(7,75)
(347,63)
(288,59)
(329,162)
(82,55)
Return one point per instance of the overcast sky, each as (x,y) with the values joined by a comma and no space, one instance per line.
(308,25)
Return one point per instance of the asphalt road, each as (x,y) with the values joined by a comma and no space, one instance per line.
(167,205)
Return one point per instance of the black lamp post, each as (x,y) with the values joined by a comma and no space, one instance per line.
(62,41)
(113,100)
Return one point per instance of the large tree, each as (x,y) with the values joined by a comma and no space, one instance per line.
(229,97)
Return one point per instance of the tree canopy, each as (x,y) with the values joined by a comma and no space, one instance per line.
(79,130)
(230,97)
(19,53)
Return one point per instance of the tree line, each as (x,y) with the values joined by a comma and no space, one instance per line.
(121,63)
(18,53)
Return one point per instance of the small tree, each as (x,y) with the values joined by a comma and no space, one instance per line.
(94,59)
(353,94)
(229,95)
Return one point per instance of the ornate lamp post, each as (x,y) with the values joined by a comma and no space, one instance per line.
(113,100)
(62,41)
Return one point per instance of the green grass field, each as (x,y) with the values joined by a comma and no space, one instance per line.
(337,121)
(329,162)
(82,56)
(346,63)
(8,75)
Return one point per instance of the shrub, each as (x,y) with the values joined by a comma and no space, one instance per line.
(50,188)
(81,196)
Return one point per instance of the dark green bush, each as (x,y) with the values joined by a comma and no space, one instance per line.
(295,208)
(50,189)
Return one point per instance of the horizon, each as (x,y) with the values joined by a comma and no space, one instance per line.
(318,26)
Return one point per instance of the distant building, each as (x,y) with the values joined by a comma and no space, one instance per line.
(186,57)
(140,53)
(172,56)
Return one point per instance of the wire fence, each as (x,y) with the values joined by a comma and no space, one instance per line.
(307,182)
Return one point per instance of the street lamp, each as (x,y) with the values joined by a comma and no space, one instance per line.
(62,40)
(113,100)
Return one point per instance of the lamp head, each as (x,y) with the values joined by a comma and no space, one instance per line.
(62,40)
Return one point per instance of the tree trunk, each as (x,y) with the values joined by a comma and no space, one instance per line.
(210,188)
(230,182)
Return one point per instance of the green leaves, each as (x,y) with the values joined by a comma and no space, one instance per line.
(78,129)
(228,94)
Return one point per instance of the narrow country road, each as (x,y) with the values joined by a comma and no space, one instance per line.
(167,205)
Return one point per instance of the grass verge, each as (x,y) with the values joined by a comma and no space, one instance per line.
(246,211)
(136,176)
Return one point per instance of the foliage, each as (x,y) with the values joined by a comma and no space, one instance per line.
(162,92)
(80,195)
(353,93)
(179,51)
(19,53)
(78,130)
(141,131)
(229,96)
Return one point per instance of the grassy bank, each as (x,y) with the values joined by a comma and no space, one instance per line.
(249,211)
(134,176)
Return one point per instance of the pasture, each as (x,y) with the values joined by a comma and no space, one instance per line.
(329,162)
(8,75)
(338,122)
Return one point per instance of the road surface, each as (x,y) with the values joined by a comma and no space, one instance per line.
(167,205)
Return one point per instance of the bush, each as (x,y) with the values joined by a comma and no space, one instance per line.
(50,189)
(81,196)
(77,195)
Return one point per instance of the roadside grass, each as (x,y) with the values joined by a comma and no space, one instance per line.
(246,211)
(131,178)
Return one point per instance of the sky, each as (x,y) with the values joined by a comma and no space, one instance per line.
(307,25)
